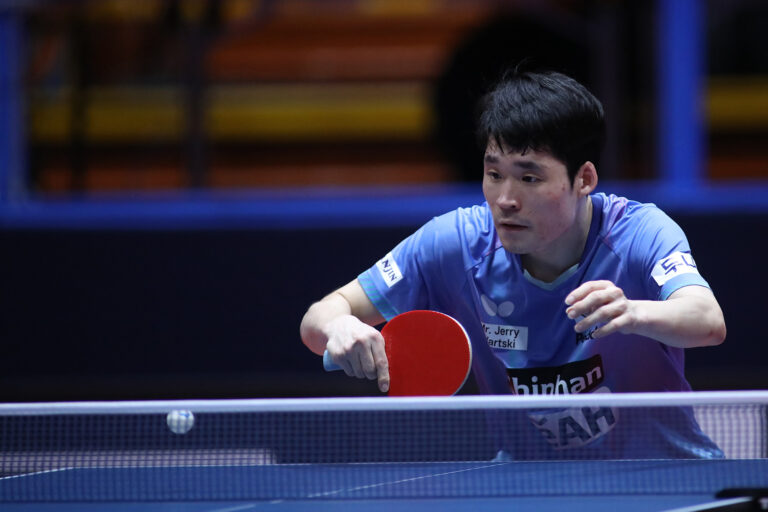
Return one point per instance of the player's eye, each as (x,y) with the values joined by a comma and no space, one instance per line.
(531,179)
(493,175)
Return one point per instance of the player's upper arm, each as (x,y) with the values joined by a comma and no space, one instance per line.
(701,294)
(660,250)
(693,291)
(359,303)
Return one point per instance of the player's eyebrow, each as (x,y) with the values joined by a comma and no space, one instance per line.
(527,165)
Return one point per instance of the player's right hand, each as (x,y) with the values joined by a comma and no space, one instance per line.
(358,349)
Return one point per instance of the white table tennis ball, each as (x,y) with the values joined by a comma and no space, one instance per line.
(180,422)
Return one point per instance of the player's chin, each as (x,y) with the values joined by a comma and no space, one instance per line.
(514,246)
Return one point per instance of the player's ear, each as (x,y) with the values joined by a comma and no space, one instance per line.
(586,179)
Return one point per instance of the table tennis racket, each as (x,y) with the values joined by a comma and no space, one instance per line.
(429,354)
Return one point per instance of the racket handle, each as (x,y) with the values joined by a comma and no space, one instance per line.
(328,363)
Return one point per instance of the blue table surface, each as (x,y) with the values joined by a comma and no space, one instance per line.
(583,485)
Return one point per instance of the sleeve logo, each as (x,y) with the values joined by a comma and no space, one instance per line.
(389,270)
(675,264)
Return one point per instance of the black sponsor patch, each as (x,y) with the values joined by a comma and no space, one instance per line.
(577,377)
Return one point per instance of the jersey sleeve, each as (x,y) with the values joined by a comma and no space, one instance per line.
(420,272)
(662,252)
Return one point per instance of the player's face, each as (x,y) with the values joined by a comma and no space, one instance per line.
(535,208)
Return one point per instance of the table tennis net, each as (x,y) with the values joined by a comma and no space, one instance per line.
(379,447)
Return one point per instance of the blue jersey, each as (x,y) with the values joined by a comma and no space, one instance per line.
(523,341)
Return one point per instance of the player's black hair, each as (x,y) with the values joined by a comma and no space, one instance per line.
(545,111)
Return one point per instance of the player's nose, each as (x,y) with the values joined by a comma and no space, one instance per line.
(508,198)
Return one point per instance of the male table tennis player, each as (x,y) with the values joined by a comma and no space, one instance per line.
(561,289)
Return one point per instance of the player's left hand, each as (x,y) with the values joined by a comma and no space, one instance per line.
(601,303)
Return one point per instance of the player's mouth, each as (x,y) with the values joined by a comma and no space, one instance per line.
(511,227)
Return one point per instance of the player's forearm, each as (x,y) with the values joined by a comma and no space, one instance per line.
(317,317)
(684,322)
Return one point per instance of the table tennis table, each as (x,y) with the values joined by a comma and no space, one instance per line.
(187,478)
(653,485)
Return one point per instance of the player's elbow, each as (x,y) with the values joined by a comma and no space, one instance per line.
(309,331)
(718,333)
(709,321)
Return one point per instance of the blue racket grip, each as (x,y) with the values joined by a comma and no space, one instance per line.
(328,363)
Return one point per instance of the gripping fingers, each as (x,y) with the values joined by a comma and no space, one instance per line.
(370,352)
(357,362)
(358,352)
(366,367)
(358,349)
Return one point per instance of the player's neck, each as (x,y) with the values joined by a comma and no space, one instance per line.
(566,253)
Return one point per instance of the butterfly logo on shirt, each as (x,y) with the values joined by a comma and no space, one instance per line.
(503,310)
